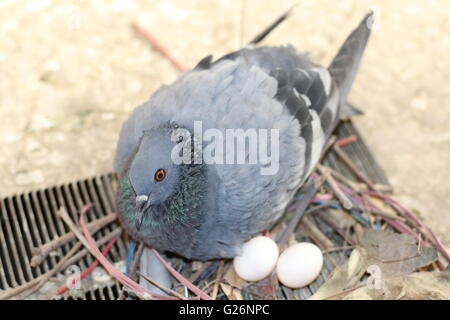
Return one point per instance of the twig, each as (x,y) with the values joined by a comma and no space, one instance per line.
(432,236)
(199,272)
(126,281)
(368,206)
(323,239)
(38,282)
(358,186)
(345,141)
(90,244)
(180,278)
(346,203)
(384,214)
(158,46)
(344,248)
(137,259)
(99,242)
(65,217)
(40,253)
(133,268)
(138,294)
(66,261)
(307,196)
(349,163)
(218,277)
(350,183)
(345,291)
(86,272)
(335,227)
(160,286)
(325,150)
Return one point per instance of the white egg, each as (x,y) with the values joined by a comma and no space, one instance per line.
(257,259)
(299,265)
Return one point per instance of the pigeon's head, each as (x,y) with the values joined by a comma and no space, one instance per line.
(158,193)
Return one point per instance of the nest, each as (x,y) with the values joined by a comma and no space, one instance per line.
(351,211)
(50,240)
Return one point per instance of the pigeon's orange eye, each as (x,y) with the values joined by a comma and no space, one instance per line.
(160,174)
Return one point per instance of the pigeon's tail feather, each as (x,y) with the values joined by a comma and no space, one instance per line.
(270,28)
(344,66)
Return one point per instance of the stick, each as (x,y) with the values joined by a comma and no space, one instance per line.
(137,259)
(346,140)
(346,202)
(349,163)
(345,291)
(180,278)
(86,272)
(100,242)
(133,268)
(193,278)
(65,217)
(92,247)
(40,253)
(308,195)
(163,288)
(432,236)
(339,230)
(66,261)
(38,282)
(158,46)
(323,239)
(325,150)
(343,248)
(218,277)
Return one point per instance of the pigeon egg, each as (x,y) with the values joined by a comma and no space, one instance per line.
(257,259)
(299,265)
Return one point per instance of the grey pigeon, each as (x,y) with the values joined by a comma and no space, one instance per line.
(207,211)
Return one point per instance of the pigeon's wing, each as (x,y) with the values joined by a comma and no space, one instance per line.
(312,95)
(306,90)
(312,98)
(345,65)
(309,99)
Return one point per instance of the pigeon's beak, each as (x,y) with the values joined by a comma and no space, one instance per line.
(143,202)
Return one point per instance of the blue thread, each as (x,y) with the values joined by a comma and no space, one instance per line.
(355,213)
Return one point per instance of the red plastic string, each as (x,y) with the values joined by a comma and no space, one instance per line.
(86,272)
(345,141)
(126,281)
(158,46)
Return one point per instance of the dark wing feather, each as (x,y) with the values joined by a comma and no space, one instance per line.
(205,63)
(301,90)
(345,65)
(310,92)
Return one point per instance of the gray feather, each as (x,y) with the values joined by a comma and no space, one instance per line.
(345,65)
(252,88)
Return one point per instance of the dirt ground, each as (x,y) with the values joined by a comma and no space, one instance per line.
(72,71)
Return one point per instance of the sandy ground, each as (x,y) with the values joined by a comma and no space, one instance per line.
(72,71)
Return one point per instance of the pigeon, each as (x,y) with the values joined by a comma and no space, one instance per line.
(205,211)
